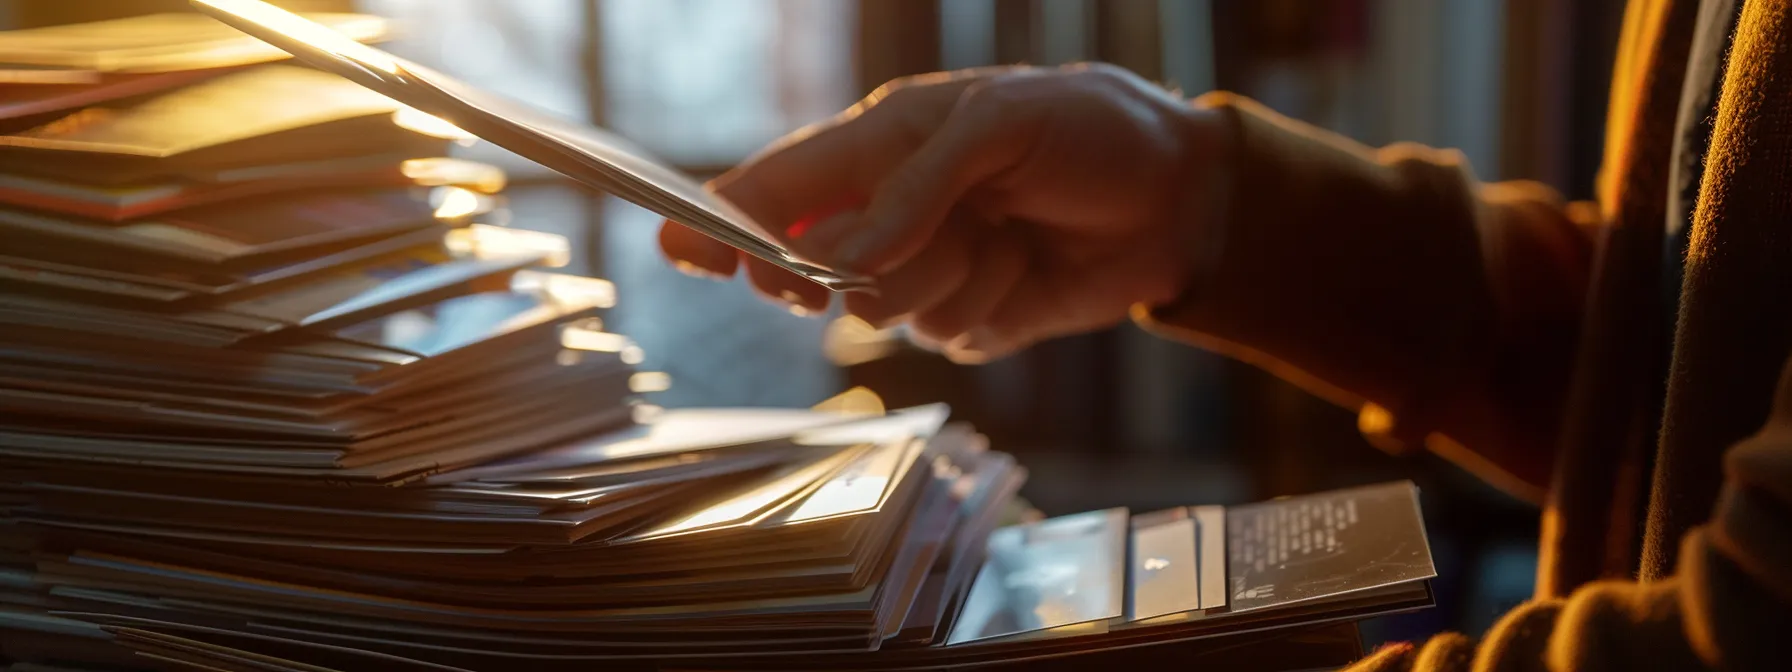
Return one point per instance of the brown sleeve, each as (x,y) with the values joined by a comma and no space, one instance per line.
(1726,608)
(1391,281)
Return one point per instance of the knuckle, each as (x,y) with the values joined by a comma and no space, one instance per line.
(992,98)
(992,90)
(1104,70)
(895,89)
(1098,76)
(940,325)
(980,93)
(906,183)
(899,103)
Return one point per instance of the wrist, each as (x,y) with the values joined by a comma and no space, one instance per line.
(1200,214)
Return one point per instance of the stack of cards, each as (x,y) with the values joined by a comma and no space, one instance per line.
(267,273)
(700,539)
(45,71)
(274,397)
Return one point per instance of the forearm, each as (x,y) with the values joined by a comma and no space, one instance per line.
(1390,280)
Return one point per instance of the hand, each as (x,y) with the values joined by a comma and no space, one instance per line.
(1001,207)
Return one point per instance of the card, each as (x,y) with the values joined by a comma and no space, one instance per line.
(345,296)
(121,354)
(1059,572)
(331,297)
(81,88)
(31,76)
(249,104)
(159,43)
(142,278)
(862,487)
(118,203)
(985,485)
(235,233)
(463,321)
(747,505)
(916,422)
(266,115)
(1164,571)
(671,432)
(1287,551)
(76,280)
(1210,523)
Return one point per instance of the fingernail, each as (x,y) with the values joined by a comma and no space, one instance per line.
(893,320)
(923,342)
(967,356)
(976,346)
(696,271)
(873,311)
(795,304)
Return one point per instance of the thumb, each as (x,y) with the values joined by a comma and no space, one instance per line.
(983,137)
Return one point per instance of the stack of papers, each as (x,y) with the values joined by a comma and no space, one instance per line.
(273,397)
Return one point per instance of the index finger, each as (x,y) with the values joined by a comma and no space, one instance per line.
(810,173)
(849,155)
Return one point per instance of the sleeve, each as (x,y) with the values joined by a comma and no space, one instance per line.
(1726,608)
(1391,281)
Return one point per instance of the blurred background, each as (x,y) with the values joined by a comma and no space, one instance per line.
(1114,418)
